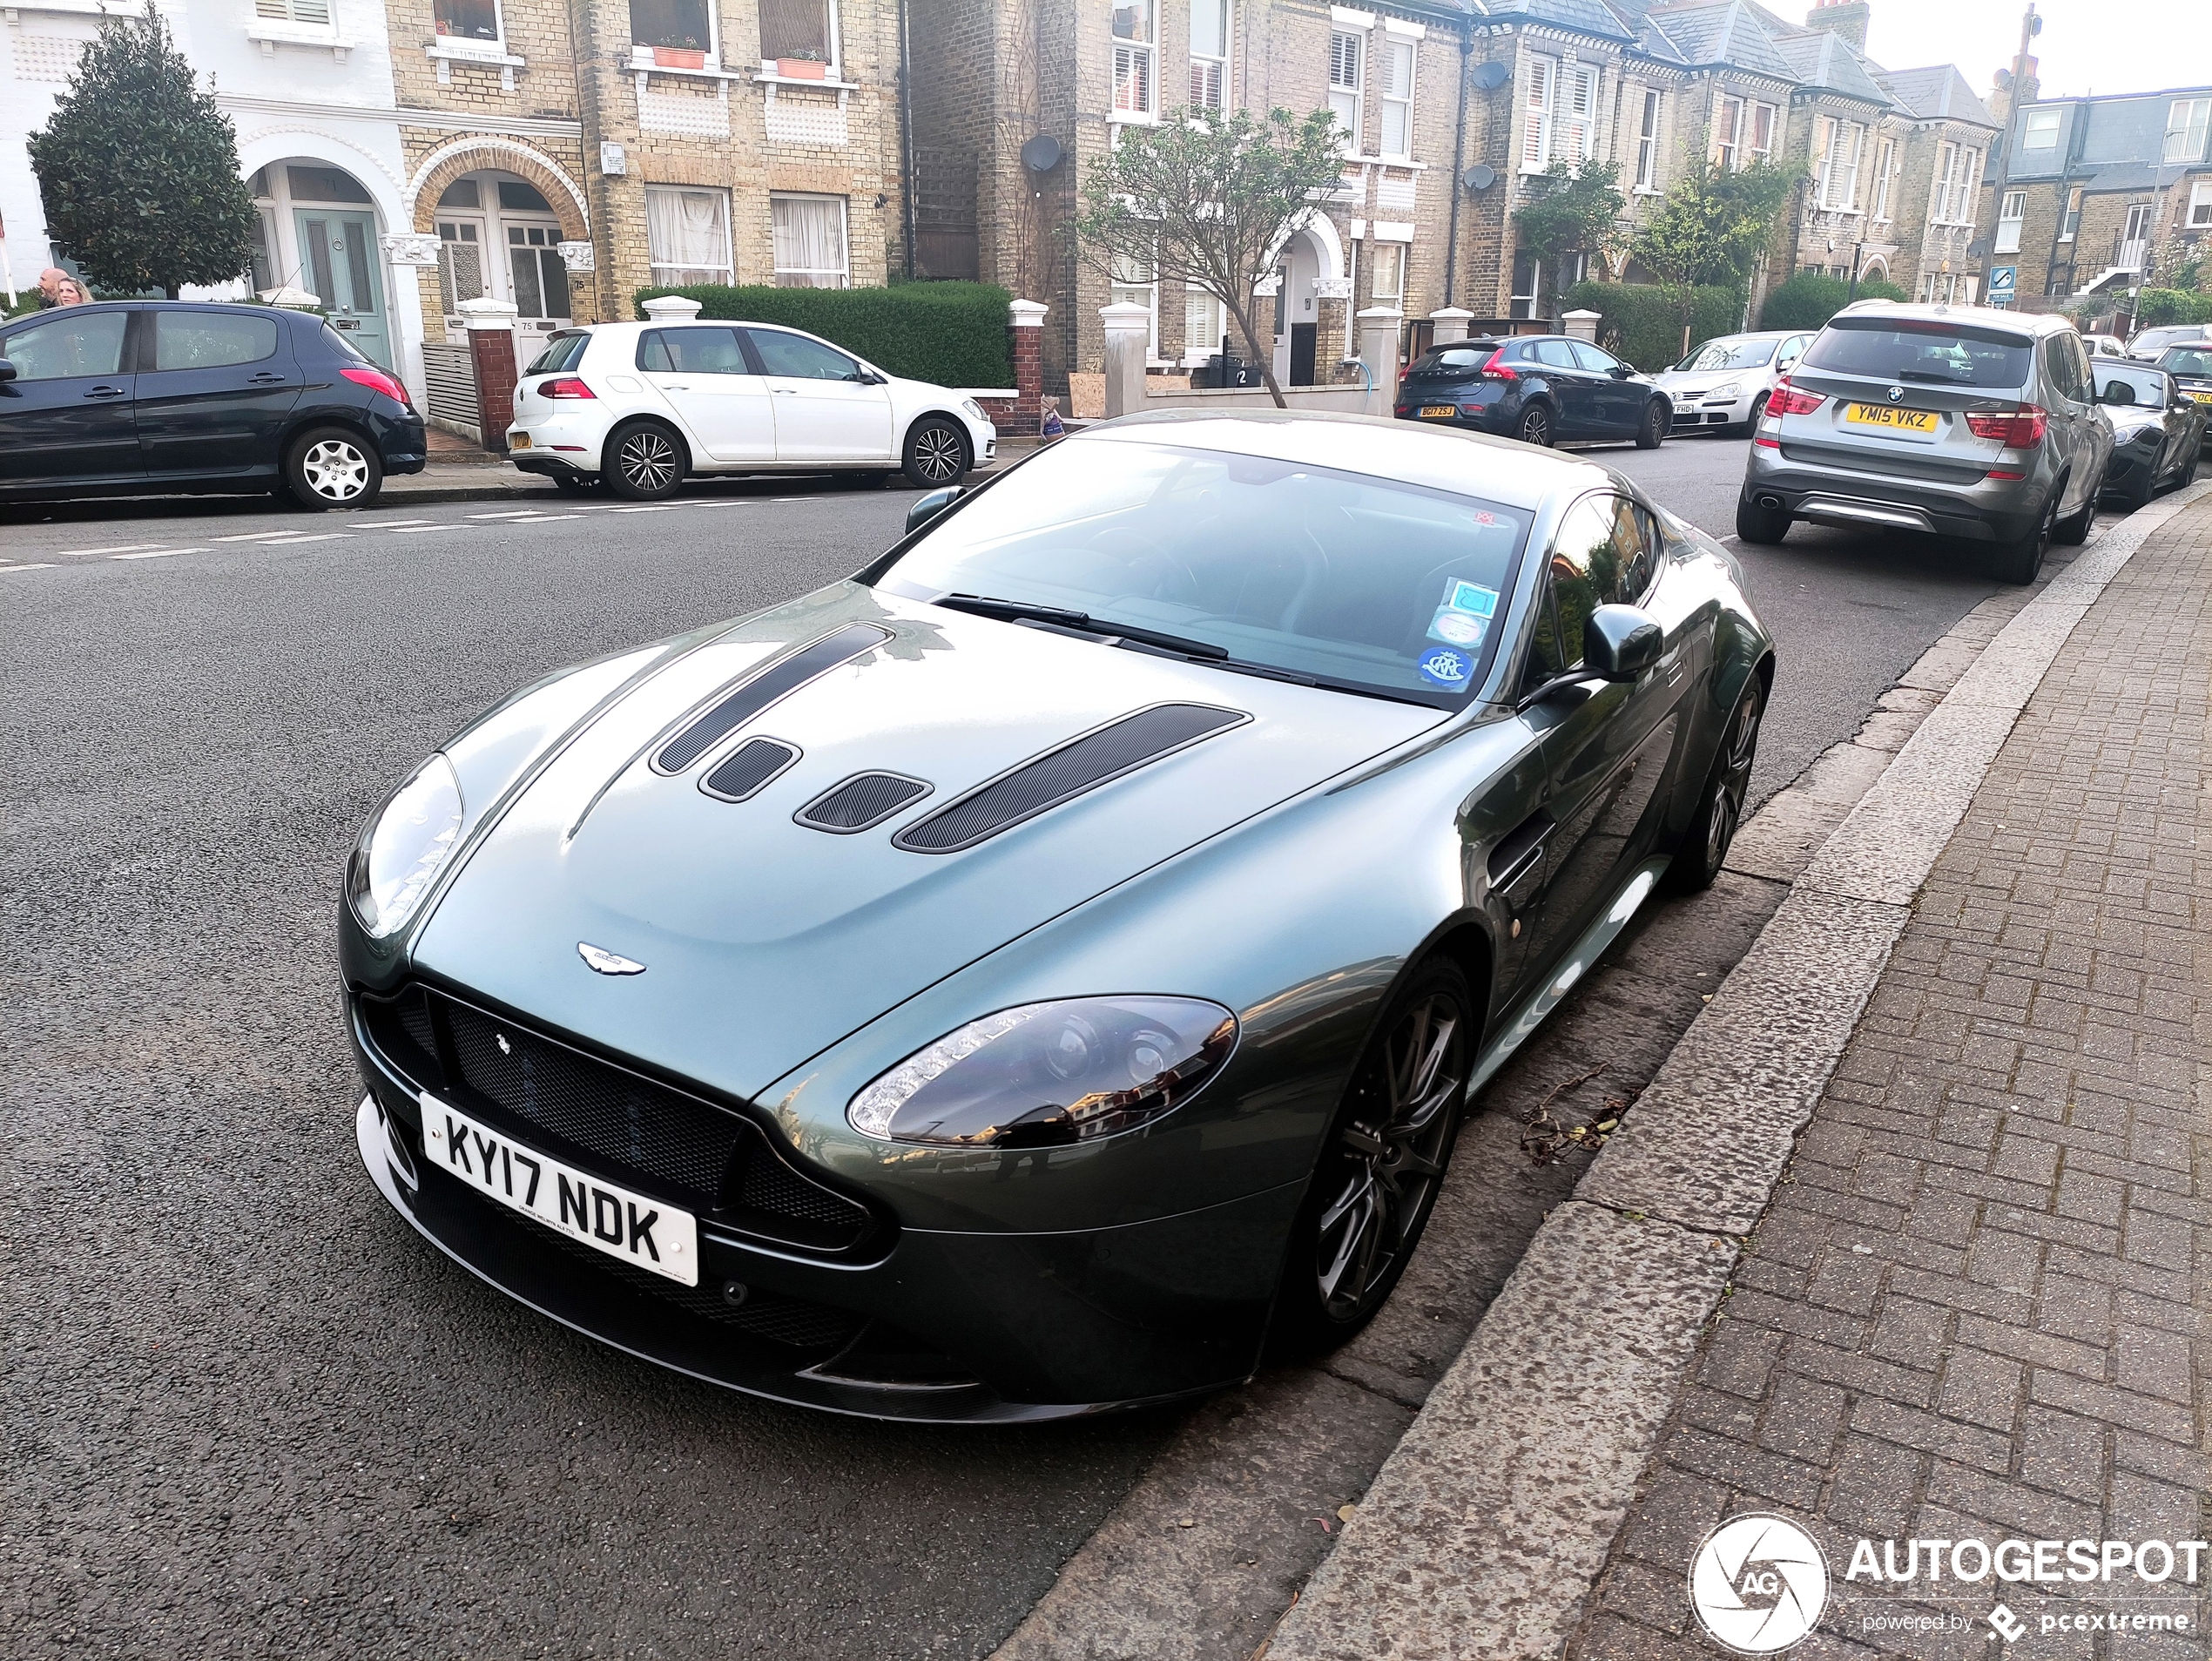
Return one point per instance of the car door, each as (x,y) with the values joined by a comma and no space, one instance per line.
(1607,745)
(66,417)
(1572,389)
(828,408)
(702,370)
(2071,415)
(1620,399)
(214,389)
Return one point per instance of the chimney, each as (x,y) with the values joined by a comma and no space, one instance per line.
(1844,18)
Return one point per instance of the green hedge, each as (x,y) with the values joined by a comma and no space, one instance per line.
(2160,307)
(951,333)
(1643,323)
(1809,300)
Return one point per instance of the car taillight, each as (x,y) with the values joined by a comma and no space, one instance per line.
(1787,399)
(1498,369)
(567,387)
(376,380)
(2020,428)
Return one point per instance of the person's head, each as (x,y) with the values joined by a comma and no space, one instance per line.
(51,281)
(72,293)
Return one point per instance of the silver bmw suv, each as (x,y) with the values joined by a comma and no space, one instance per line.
(1955,420)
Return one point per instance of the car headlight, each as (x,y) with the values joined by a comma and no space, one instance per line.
(974,410)
(1046,1075)
(1721,394)
(404,847)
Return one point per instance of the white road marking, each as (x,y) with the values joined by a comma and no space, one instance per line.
(295,541)
(160,553)
(651,507)
(504,513)
(393,524)
(45,565)
(402,530)
(545,519)
(119,547)
(257,536)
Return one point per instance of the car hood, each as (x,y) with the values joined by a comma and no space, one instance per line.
(1701,381)
(764,940)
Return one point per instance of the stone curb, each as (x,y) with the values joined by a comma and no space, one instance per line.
(1486,1528)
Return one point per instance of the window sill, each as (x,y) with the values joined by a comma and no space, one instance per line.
(491,53)
(769,78)
(272,33)
(1131,119)
(79,7)
(641,63)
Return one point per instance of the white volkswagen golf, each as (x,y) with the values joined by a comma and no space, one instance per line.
(641,405)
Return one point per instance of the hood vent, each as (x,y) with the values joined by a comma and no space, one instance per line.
(747,770)
(1061,775)
(763,688)
(863,801)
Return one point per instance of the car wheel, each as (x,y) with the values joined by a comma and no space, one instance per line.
(1376,1180)
(2073,530)
(1761,526)
(332,468)
(1704,845)
(1536,427)
(2021,561)
(936,454)
(649,461)
(1758,413)
(1657,417)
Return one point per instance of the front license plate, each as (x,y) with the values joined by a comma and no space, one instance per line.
(648,1234)
(519,441)
(1433,412)
(2203,397)
(1900,420)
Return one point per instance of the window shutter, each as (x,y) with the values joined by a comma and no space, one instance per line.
(1536,142)
(1344,63)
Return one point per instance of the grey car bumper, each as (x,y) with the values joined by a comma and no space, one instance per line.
(1994,511)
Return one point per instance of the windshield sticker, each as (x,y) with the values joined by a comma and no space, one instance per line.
(1445,667)
(1457,628)
(1471,596)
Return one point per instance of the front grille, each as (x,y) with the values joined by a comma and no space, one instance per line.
(605,1118)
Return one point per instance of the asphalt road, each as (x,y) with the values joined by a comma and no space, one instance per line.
(248,1413)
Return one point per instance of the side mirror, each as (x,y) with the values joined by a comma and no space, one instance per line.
(1622,371)
(1620,641)
(7,370)
(931,505)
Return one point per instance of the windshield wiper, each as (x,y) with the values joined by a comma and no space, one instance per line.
(1015,611)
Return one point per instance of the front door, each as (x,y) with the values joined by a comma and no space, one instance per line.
(828,408)
(339,250)
(539,277)
(703,372)
(67,416)
(1303,336)
(214,389)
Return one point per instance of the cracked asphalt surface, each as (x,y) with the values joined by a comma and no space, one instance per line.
(248,1411)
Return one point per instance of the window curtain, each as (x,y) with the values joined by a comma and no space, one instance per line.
(810,241)
(687,235)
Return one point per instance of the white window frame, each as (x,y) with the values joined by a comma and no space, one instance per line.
(1839,164)
(1133,59)
(1538,100)
(1398,253)
(1348,83)
(307,14)
(728,267)
(1146,295)
(1209,72)
(2042,121)
(641,56)
(2070,215)
(831,21)
(1535,295)
(2011,212)
(1397,50)
(452,45)
(844,239)
(1577,133)
(1648,144)
(2187,121)
(1727,153)
(1884,160)
(1196,351)
(1757,152)
(2199,208)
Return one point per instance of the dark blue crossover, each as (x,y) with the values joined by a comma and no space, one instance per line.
(1539,389)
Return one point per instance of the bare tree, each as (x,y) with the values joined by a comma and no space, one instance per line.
(1208,199)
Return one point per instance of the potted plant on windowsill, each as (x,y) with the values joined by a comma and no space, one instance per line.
(686,53)
(808,66)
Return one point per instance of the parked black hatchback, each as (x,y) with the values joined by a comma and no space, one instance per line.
(133,396)
(1539,389)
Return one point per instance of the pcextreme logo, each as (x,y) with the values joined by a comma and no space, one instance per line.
(1759,1584)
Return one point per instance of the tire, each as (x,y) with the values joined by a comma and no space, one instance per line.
(331,467)
(2073,530)
(1758,413)
(2021,561)
(1536,427)
(1762,527)
(936,454)
(1704,845)
(1381,1164)
(1657,418)
(648,462)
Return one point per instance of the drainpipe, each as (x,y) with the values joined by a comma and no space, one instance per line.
(906,138)
(1459,160)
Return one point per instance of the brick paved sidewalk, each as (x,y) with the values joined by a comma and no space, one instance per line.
(1970,1309)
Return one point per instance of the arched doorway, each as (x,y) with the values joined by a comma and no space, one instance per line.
(1307,265)
(318,231)
(499,237)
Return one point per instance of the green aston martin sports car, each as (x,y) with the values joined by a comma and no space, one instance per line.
(1046,972)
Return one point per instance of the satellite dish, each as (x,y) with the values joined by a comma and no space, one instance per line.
(1041,154)
(1488,78)
(1479,176)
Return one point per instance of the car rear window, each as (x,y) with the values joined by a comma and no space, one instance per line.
(1446,360)
(2187,360)
(1940,355)
(560,353)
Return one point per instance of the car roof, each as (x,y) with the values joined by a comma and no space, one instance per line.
(1968,316)
(1438,458)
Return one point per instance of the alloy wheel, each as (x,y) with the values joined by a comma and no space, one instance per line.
(1536,428)
(647,460)
(938,455)
(1738,749)
(334,470)
(1390,1155)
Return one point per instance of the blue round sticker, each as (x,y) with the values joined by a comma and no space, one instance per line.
(1445,667)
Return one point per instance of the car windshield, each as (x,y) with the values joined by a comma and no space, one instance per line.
(2152,338)
(1931,353)
(561,353)
(1360,584)
(2187,360)
(1452,360)
(2146,386)
(1739,353)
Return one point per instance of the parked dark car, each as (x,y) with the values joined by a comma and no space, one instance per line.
(2158,431)
(2190,366)
(128,397)
(1539,389)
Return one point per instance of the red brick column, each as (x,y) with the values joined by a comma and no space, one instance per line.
(491,354)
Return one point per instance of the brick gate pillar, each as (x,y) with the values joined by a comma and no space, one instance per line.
(1025,335)
(490,324)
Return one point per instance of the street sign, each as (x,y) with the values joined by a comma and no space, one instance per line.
(2001,281)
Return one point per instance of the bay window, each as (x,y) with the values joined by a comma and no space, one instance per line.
(1884,161)
(808,233)
(1648,144)
(1347,80)
(1397,100)
(1845,140)
(1728,135)
(1136,49)
(1765,117)
(1562,114)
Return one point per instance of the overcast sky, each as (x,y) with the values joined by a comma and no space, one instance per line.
(2086,46)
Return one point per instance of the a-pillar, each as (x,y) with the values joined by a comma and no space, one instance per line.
(1025,334)
(490,324)
(1378,351)
(1129,336)
(1450,324)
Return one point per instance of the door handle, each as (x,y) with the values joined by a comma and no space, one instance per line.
(265,380)
(106,392)
(785,392)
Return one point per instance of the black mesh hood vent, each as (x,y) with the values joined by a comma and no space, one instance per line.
(764,687)
(1061,775)
(748,769)
(864,800)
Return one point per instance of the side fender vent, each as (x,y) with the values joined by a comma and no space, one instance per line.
(1060,775)
(863,801)
(749,769)
(763,687)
